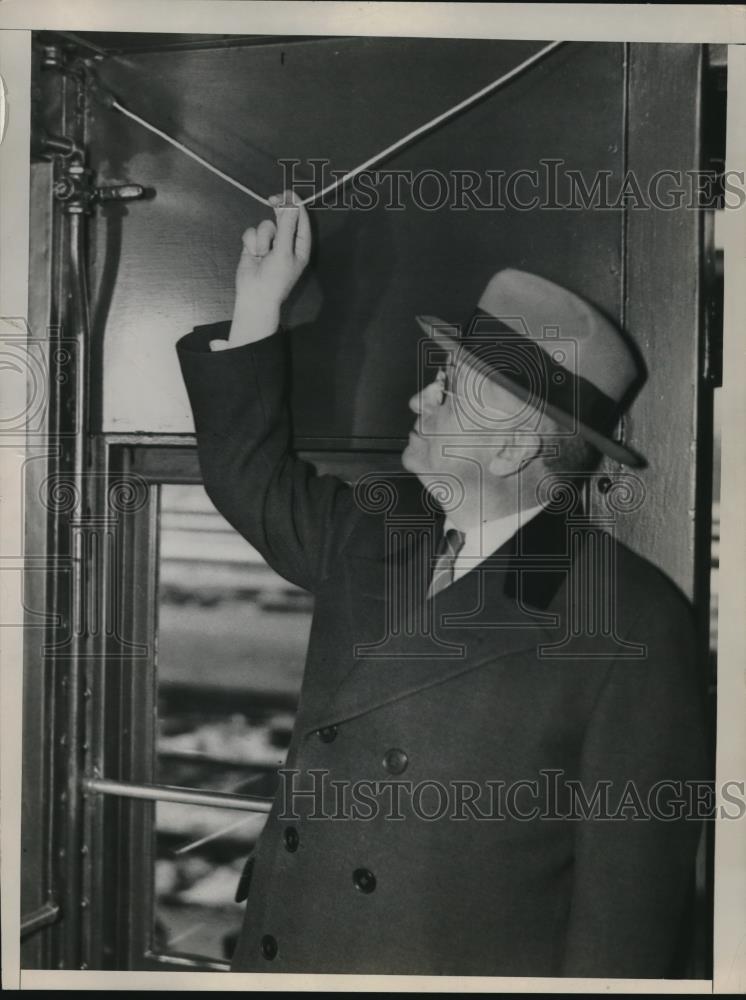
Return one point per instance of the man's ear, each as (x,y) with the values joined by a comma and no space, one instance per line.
(514,453)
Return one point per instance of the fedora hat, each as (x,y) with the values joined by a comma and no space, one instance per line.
(552,350)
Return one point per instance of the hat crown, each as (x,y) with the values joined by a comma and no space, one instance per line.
(550,315)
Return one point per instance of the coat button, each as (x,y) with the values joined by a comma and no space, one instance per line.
(364,880)
(327,734)
(291,839)
(269,947)
(395,761)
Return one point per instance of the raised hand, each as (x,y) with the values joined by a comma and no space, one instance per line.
(273,258)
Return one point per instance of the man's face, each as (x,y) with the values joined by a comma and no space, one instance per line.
(461,422)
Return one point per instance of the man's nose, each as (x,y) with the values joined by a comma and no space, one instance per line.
(425,398)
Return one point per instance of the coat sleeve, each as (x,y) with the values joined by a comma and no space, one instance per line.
(291,515)
(633,873)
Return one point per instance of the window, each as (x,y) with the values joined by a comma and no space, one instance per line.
(232,637)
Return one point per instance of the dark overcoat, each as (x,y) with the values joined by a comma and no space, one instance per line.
(482,772)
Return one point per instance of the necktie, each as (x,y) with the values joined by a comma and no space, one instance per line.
(450,545)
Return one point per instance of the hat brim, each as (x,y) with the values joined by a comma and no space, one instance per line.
(435,328)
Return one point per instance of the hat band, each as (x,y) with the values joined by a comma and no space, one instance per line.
(540,370)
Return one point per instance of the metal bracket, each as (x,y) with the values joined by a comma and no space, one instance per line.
(75,189)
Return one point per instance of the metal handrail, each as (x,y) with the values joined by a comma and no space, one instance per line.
(44,916)
(172,793)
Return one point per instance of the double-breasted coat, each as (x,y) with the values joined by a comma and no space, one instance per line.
(486,774)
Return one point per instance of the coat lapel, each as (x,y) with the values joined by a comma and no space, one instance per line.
(404,643)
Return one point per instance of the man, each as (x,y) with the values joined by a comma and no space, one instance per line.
(499,707)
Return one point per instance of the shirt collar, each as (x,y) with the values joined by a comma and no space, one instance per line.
(482,539)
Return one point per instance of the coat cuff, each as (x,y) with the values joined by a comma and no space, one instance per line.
(201,337)
(226,389)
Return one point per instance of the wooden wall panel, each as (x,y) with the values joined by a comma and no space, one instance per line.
(662,307)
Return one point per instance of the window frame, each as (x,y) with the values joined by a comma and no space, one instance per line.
(118,833)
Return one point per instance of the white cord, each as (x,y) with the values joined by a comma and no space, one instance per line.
(189,152)
(434,122)
(427,127)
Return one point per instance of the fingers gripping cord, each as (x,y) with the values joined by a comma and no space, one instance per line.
(377,158)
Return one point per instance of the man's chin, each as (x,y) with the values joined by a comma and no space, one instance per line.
(408,460)
(410,464)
